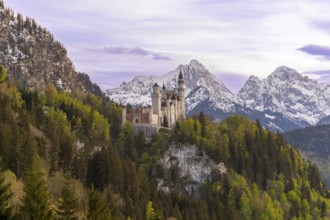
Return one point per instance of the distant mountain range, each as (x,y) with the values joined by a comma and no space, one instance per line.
(285,100)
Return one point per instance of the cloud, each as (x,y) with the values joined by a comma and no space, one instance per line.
(324,25)
(317,50)
(105,79)
(233,36)
(137,51)
(319,72)
(322,76)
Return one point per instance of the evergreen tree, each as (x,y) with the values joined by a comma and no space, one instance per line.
(3,73)
(67,202)
(5,194)
(98,208)
(150,211)
(202,120)
(36,204)
(259,125)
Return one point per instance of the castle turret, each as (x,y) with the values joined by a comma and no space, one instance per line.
(156,97)
(150,115)
(181,91)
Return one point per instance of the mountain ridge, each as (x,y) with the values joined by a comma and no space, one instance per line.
(290,93)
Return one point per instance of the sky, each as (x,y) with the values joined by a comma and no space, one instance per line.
(115,40)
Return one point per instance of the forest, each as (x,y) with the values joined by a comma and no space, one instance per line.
(67,156)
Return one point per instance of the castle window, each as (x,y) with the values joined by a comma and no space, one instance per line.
(137,121)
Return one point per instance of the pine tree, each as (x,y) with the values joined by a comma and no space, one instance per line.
(98,208)
(67,202)
(5,194)
(150,211)
(36,204)
(202,120)
(3,73)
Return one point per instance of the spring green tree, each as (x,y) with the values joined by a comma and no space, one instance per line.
(5,195)
(98,208)
(36,203)
(67,202)
(3,74)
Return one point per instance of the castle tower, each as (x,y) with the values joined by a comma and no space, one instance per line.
(181,91)
(155,101)
(150,115)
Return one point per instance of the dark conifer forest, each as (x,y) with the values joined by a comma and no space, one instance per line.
(67,156)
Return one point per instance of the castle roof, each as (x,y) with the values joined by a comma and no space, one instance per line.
(180,75)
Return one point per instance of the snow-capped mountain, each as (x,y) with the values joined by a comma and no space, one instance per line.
(286,91)
(201,85)
(285,100)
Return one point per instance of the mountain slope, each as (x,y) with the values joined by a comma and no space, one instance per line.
(32,56)
(324,121)
(314,144)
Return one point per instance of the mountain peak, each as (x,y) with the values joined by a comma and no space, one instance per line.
(194,62)
(288,92)
(283,68)
(195,75)
(285,73)
(253,78)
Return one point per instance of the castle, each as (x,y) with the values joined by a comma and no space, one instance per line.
(168,106)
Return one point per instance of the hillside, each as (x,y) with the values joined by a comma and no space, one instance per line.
(314,143)
(254,172)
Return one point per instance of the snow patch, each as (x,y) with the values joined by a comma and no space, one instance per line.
(270,116)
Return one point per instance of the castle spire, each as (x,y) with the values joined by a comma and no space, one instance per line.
(180,75)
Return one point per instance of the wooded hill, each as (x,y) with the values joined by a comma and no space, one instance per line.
(66,156)
(314,143)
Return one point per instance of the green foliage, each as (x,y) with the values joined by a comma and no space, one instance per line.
(98,208)
(150,212)
(6,211)
(126,142)
(281,178)
(202,120)
(314,143)
(3,74)
(36,203)
(68,202)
